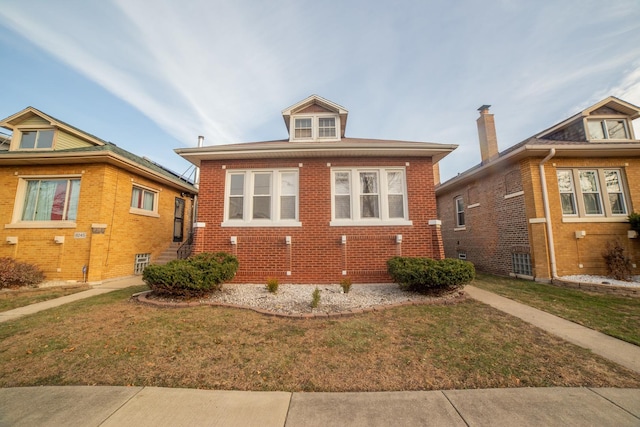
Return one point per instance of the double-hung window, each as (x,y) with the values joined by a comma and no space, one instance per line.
(598,193)
(46,202)
(303,128)
(326,127)
(459,206)
(371,196)
(261,198)
(144,201)
(314,127)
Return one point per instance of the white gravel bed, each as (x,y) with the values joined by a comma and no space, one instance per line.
(295,299)
(602,280)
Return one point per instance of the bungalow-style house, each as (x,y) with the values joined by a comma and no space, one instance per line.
(548,206)
(317,207)
(81,208)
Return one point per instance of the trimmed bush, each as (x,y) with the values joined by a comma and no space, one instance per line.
(429,275)
(272,285)
(192,277)
(15,274)
(345,284)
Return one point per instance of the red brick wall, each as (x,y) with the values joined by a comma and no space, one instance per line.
(495,228)
(316,253)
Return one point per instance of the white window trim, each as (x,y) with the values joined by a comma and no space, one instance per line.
(606,215)
(315,127)
(247,205)
(457,212)
(33,128)
(18,206)
(156,201)
(604,118)
(354,180)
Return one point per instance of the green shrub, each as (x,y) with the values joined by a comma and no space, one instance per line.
(618,263)
(634,221)
(315,298)
(192,277)
(272,285)
(421,274)
(15,274)
(346,285)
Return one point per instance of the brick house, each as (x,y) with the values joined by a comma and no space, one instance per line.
(317,206)
(548,206)
(69,199)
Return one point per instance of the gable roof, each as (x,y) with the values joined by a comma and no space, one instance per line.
(321,102)
(539,146)
(100,151)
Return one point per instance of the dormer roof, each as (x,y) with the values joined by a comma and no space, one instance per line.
(316,104)
(29,113)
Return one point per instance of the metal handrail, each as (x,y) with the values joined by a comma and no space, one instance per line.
(186,249)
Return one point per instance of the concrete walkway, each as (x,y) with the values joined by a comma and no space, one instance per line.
(150,406)
(107,286)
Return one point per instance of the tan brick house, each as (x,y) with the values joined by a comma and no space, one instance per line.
(318,206)
(548,206)
(79,207)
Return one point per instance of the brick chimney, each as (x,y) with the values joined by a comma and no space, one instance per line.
(487,135)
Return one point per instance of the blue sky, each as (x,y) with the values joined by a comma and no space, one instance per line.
(153,78)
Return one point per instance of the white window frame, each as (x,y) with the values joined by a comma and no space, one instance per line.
(145,212)
(276,195)
(458,204)
(602,121)
(383,198)
(315,127)
(20,199)
(607,214)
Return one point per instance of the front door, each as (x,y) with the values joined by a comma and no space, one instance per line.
(178,220)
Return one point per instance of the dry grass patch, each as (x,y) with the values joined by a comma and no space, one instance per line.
(14,298)
(108,340)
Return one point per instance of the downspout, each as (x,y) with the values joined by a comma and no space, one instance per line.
(547,214)
(196,183)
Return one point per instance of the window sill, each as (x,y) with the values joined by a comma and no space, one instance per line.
(42,224)
(378,223)
(460,228)
(143,212)
(261,224)
(596,219)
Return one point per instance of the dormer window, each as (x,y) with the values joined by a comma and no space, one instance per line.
(36,139)
(303,128)
(608,129)
(315,127)
(327,127)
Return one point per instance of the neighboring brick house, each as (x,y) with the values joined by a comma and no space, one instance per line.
(69,199)
(549,205)
(317,207)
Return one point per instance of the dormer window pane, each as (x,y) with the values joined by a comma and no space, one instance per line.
(595,130)
(36,139)
(608,129)
(303,128)
(327,127)
(616,129)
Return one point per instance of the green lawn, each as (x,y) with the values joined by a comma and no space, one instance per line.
(616,316)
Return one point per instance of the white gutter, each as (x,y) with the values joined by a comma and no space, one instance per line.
(547,214)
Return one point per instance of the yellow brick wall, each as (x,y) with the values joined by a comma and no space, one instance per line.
(105,195)
(577,256)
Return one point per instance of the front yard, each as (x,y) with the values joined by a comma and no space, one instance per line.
(616,316)
(109,340)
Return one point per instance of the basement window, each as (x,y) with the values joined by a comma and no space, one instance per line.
(142,261)
(521,264)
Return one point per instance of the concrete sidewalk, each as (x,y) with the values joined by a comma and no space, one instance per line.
(150,406)
(618,351)
(107,286)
